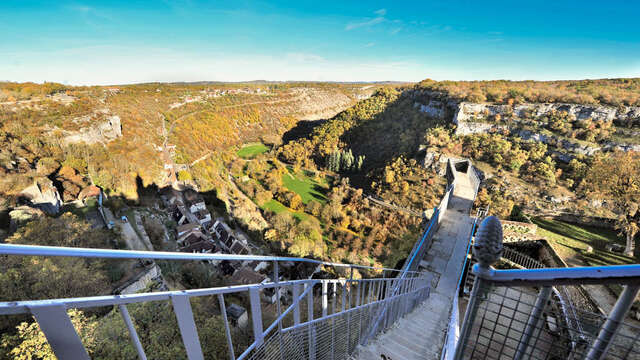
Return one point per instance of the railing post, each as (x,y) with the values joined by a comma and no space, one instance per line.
(487,249)
(276,275)
(312,340)
(532,323)
(187,326)
(54,322)
(612,324)
(325,301)
(223,309)
(256,315)
(296,309)
(132,331)
(333,319)
(344,308)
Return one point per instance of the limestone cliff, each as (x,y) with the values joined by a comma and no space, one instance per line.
(101,131)
(473,118)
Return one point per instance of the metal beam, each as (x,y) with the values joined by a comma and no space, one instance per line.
(37,250)
(227,330)
(59,331)
(532,323)
(256,315)
(19,307)
(614,274)
(610,328)
(132,331)
(188,331)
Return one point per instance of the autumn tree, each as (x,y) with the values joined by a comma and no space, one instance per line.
(30,343)
(30,278)
(617,177)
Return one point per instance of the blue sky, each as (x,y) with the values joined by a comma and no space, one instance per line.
(115,42)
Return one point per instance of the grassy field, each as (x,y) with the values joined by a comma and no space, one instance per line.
(305,186)
(249,151)
(277,207)
(571,241)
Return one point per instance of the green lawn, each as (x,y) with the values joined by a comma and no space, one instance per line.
(249,151)
(277,207)
(305,186)
(571,241)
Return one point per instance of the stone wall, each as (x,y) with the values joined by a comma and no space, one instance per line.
(150,277)
(577,219)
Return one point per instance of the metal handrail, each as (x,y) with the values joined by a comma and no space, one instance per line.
(21,307)
(37,250)
(453,328)
(488,249)
(619,274)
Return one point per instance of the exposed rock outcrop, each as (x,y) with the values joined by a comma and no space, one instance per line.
(22,215)
(473,118)
(102,130)
(71,183)
(42,195)
(470,111)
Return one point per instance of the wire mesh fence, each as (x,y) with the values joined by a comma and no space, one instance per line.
(337,335)
(505,313)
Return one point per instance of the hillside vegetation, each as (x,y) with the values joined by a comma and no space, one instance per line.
(614,92)
(296,188)
(196,119)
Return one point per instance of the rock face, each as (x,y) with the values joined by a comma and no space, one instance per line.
(100,132)
(22,215)
(42,195)
(470,111)
(471,118)
(435,105)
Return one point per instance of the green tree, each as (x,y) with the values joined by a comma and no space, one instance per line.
(347,160)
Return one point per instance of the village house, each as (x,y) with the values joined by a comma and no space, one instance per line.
(186,229)
(271,295)
(194,201)
(233,243)
(198,245)
(238,315)
(257,266)
(239,248)
(246,276)
(204,218)
(222,231)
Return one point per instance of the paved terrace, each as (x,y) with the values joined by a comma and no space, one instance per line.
(421,334)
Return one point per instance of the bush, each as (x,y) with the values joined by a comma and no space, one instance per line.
(263,197)
(184,175)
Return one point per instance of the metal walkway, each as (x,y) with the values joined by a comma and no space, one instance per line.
(421,334)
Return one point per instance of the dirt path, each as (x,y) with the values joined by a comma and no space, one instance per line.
(129,235)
